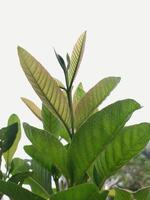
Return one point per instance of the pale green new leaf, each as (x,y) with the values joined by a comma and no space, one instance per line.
(8,155)
(95,134)
(93,98)
(128,143)
(33,107)
(80,192)
(51,148)
(45,86)
(76,57)
(78,94)
(16,192)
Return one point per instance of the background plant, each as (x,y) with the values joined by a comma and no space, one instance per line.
(97,143)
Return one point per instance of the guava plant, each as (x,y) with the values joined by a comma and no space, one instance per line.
(80,146)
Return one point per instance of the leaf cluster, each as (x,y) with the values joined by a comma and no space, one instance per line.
(80,146)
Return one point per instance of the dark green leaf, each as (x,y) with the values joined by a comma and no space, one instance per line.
(8,136)
(61,61)
(80,192)
(16,192)
(19,166)
(20,177)
(143,194)
(8,155)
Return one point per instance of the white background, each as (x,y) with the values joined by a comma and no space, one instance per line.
(118,44)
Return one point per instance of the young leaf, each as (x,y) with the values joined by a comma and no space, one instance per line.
(16,192)
(51,148)
(93,98)
(68,61)
(8,155)
(76,58)
(80,192)
(95,134)
(8,136)
(53,125)
(33,107)
(78,94)
(128,143)
(61,61)
(45,86)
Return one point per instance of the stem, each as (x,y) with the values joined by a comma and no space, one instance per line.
(69,96)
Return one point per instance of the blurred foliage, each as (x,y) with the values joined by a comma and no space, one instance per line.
(134,175)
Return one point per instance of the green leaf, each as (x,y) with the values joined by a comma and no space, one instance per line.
(42,176)
(80,192)
(20,177)
(128,143)
(40,180)
(45,86)
(76,57)
(143,194)
(99,196)
(37,188)
(93,98)
(8,136)
(52,149)
(53,125)
(78,94)
(123,195)
(19,166)
(16,192)
(96,133)
(38,156)
(33,107)
(61,61)
(8,155)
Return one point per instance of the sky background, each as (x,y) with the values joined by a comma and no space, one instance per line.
(118,44)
